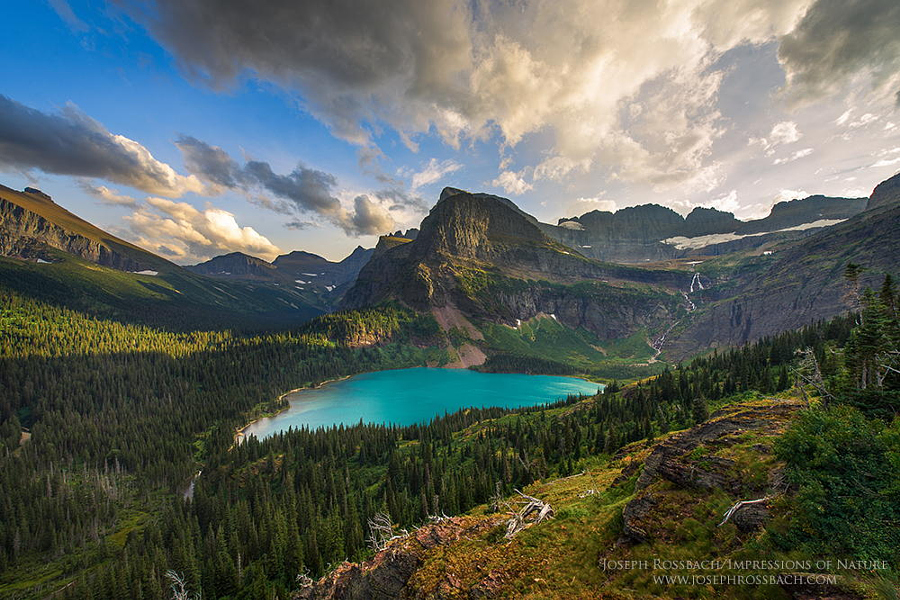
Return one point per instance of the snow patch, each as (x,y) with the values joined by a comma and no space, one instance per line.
(683,243)
(310,274)
(146,272)
(41,261)
(573,225)
(330,288)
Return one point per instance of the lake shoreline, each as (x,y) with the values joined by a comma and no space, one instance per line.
(241,433)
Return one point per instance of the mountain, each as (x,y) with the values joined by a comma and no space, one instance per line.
(237,265)
(485,269)
(302,271)
(885,195)
(31,221)
(796,283)
(51,254)
(321,271)
(652,233)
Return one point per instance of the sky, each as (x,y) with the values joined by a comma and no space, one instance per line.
(200,127)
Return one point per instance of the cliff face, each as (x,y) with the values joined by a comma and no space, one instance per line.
(800,283)
(23,233)
(482,255)
(637,234)
(885,194)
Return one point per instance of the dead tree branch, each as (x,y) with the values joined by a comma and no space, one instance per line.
(530,507)
(738,505)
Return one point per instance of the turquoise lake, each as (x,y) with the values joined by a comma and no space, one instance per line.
(407,396)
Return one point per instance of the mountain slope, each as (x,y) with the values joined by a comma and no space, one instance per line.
(800,282)
(651,232)
(30,220)
(479,260)
(50,254)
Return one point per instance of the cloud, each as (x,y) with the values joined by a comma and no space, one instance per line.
(433,172)
(585,205)
(839,40)
(579,73)
(788,195)
(108,196)
(794,156)
(184,233)
(512,183)
(784,132)
(72,143)
(66,13)
(302,191)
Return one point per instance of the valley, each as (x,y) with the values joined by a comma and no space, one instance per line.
(132,374)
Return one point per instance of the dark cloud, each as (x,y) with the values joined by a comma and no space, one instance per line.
(303,190)
(338,51)
(837,39)
(72,143)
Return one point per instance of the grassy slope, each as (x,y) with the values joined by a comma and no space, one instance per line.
(175,298)
(561,557)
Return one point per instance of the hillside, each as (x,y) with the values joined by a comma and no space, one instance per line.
(48,253)
(648,523)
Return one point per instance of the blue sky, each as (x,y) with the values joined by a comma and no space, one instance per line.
(208,127)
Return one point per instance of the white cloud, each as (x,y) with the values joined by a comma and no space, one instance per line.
(107,196)
(583,205)
(433,171)
(184,233)
(788,195)
(885,162)
(785,132)
(512,183)
(726,203)
(794,156)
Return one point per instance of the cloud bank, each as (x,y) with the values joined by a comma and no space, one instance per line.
(302,191)
(72,143)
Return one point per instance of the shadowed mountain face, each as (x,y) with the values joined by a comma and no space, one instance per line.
(797,284)
(651,232)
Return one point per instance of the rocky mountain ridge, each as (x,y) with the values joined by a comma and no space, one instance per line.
(30,222)
(651,232)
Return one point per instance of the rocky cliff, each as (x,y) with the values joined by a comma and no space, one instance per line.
(481,255)
(638,234)
(24,233)
(886,194)
(799,283)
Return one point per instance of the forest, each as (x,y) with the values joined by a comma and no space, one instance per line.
(120,416)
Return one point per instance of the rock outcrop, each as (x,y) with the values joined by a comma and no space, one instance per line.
(385,576)
(697,459)
(25,234)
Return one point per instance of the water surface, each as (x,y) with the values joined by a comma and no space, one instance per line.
(407,396)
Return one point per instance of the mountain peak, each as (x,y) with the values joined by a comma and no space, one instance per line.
(886,193)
